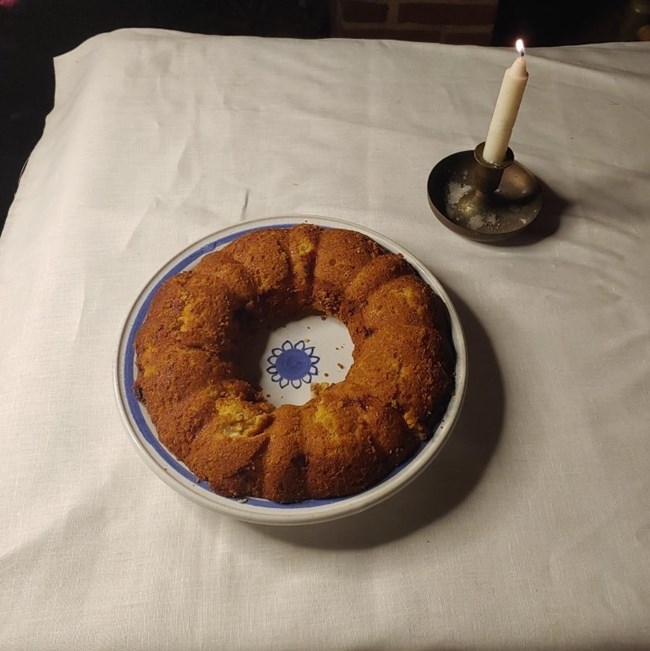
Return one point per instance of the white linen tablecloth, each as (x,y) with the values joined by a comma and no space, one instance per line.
(530,530)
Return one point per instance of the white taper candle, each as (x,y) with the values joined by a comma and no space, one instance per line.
(506,109)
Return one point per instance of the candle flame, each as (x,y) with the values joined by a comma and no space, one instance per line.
(520,47)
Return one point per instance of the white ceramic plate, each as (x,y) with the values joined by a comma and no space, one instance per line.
(289,359)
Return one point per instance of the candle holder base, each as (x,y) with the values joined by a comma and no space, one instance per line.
(482,201)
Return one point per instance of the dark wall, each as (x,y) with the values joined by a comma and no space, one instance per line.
(60,25)
(555,22)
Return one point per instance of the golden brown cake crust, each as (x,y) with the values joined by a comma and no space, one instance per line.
(350,435)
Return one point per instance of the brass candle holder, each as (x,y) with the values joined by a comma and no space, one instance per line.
(486,202)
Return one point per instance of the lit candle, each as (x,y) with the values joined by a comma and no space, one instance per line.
(506,109)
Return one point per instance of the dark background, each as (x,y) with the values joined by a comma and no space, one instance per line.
(32,32)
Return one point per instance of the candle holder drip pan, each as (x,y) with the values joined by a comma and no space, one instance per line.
(483,201)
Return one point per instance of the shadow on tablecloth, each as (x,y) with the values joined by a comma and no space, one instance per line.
(447,482)
(547,222)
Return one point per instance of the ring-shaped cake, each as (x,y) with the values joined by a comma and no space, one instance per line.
(349,435)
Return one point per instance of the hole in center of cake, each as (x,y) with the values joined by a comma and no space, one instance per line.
(288,359)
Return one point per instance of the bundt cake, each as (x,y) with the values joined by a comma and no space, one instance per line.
(349,435)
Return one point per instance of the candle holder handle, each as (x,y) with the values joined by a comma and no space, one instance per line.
(481,200)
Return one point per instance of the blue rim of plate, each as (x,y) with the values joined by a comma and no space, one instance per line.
(252,508)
